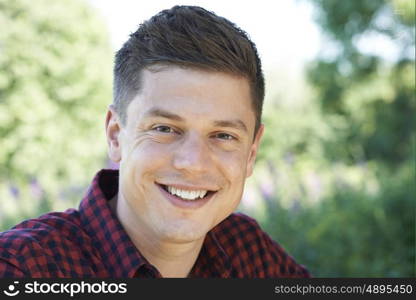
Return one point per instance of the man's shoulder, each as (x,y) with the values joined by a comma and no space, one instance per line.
(253,251)
(241,232)
(54,245)
(41,232)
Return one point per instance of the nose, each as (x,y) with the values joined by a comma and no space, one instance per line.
(192,154)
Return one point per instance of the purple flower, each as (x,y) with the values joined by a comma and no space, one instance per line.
(14,190)
(35,188)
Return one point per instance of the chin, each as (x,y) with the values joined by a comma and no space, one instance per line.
(183,231)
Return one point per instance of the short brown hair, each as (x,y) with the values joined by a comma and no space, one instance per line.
(187,36)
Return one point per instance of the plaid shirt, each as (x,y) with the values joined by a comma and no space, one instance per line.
(90,242)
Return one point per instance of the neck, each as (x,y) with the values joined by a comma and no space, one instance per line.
(173,260)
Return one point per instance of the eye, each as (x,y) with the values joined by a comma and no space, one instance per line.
(225,136)
(164,129)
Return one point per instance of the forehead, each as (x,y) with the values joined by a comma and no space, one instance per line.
(191,81)
(194,94)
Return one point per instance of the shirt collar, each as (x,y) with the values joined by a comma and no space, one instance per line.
(213,260)
(116,248)
(109,237)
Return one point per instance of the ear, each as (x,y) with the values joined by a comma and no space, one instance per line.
(113,128)
(253,151)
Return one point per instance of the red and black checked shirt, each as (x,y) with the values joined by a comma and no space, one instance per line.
(91,242)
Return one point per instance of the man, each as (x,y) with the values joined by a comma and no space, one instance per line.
(185,127)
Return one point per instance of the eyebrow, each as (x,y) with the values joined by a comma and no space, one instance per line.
(158,112)
(237,124)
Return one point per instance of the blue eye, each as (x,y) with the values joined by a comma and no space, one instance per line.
(164,129)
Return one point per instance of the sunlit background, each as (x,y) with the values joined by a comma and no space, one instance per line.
(334,183)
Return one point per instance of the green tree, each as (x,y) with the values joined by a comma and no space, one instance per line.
(55,83)
(369,99)
(351,144)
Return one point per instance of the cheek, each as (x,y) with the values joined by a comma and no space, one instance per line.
(233,171)
(233,167)
(141,162)
(144,153)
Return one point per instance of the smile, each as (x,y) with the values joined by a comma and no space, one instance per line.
(186,194)
(186,198)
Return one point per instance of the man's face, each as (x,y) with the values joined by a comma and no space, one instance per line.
(184,152)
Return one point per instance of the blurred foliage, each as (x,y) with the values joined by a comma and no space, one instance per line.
(337,171)
(55,83)
(371,102)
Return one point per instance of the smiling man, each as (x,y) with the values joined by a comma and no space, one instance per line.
(185,127)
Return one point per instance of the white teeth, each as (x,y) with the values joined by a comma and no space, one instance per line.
(202,194)
(186,194)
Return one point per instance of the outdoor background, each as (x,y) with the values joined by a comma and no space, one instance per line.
(335,181)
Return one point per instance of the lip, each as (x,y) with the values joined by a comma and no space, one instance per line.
(189,187)
(178,202)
